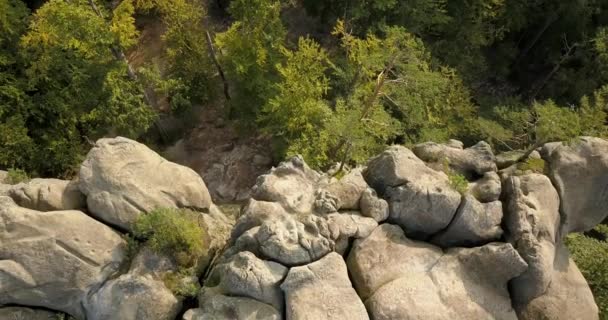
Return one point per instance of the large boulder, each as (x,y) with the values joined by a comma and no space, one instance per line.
(403,279)
(245,275)
(567,297)
(474,224)
(48,195)
(218,306)
(132,297)
(322,290)
(343,194)
(54,259)
(292,184)
(21,313)
(421,199)
(532,221)
(579,171)
(123,178)
(471,162)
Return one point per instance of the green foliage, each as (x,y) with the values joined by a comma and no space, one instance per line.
(591,256)
(297,112)
(252,48)
(16,176)
(533,164)
(181,284)
(176,232)
(457,181)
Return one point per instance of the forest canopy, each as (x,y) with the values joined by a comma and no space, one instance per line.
(358,76)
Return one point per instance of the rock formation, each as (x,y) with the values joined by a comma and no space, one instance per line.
(392,240)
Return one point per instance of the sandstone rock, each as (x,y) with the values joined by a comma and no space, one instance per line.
(132,297)
(292,184)
(509,158)
(345,193)
(21,313)
(470,162)
(567,297)
(464,284)
(322,290)
(580,174)
(123,178)
(421,199)
(486,189)
(48,195)
(372,206)
(532,221)
(54,259)
(474,224)
(215,307)
(386,255)
(3,177)
(148,262)
(254,214)
(245,275)
(348,225)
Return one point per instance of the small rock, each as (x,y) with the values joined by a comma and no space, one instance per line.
(372,206)
(486,189)
(48,195)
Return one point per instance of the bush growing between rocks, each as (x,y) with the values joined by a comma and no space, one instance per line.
(591,256)
(457,180)
(178,283)
(177,232)
(16,176)
(534,165)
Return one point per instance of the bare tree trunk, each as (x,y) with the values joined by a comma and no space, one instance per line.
(218,65)
(556,68)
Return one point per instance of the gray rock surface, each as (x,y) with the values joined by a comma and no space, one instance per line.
(579,171)
(48,195)
(123,178)
(567,297)
(474,224)
(22,313)
(472,161)
(486,189)
(532,221)
(133,297)
(54,259)
(215,307)
(245,275)
(292,184)
(421,199)
(322,290)
(373,206)
(403,279)
(343,194)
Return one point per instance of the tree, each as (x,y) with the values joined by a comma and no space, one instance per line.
(251,48)
(297,112)
(78,89)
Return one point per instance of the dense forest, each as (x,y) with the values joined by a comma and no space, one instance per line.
(334,81)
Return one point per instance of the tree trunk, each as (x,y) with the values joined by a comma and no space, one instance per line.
(218,65)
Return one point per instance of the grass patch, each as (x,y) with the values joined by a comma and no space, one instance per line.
(457,181)
(176,232)
(532,164)
(16,176)
(591,256)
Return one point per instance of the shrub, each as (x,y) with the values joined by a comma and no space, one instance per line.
(181,284)
(177,232)
(16,176)
(533,164)
(457,181)
(591,256)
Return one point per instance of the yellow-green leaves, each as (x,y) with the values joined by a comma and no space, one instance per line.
(122,24)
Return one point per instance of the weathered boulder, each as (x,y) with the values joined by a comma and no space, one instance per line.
(579,171)
(292,184)
(343,194)
(245,275)
(48,195)
(532,221)
(54,259)
(322,290)
(470,162)
(403,279)
(217,306)
(373,206)
(421,199)
(474,224)
(21,313)
(132,297)
(123,178)
(567,297)
(486,189)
